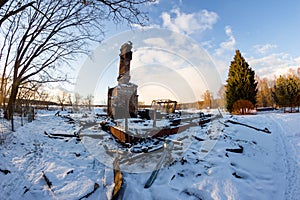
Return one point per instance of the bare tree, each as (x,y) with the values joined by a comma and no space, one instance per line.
(88,101)
(207,99)
(222,96)
(6,59)
(62,98)
(264,93)
(77,102)
(27,94)
(5,89)
(28,91)
(47,34)
(44,97)
(11,8)
(70,101)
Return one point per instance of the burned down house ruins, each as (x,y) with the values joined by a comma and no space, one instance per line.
(123,99)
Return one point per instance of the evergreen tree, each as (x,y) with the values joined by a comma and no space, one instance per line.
(241,84)
(287,91)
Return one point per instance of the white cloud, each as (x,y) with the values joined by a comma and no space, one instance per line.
(157,56)
(262,49)
(156,41)
(229,44)
(298,60)
(279,59)
(274,64)
(155,2)
(207,44)
(175,62)
(189,23)
(269,66)
(140,27)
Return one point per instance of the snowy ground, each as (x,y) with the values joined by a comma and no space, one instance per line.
(267,168)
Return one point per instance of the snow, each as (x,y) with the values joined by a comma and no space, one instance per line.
(268,167)
(138,127)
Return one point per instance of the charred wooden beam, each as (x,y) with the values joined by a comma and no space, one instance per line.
(258,129)
(96,186)
(49,183)
(5,171)
(239,150)
(120,184)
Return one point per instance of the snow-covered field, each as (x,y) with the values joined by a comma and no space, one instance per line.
(266,166)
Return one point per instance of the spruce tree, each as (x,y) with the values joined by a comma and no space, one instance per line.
(241,84)
(286,91)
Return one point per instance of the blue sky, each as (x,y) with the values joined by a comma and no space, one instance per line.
(252,22)
(266,32)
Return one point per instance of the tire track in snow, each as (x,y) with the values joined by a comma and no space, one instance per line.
(292,177)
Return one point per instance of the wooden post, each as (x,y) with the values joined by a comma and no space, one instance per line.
(126,124)
(126,114)
(12,119)
(22,115)
(154,118)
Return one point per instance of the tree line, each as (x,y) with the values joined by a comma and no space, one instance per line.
(244,91)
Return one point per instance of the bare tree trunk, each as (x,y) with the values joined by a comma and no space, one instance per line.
(11,102)
(62,108)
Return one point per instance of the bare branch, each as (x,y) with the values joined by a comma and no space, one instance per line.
(45,34)
(13,12)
